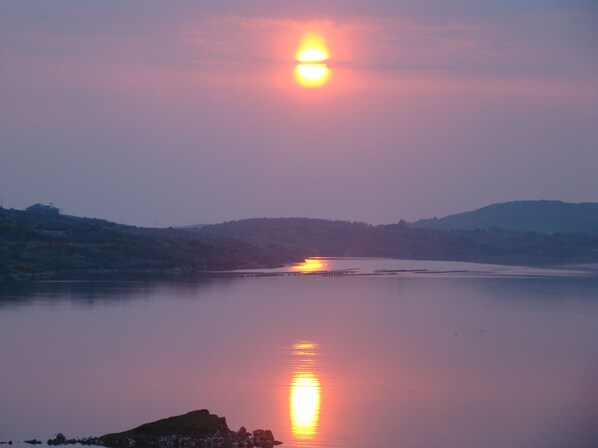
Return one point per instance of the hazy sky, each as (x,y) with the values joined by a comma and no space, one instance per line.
(188,112)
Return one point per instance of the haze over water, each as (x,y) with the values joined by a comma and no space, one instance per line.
(160,114)
(362,361)
(191,112)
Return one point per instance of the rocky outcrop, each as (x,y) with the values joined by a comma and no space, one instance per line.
(60,439)
(196,429)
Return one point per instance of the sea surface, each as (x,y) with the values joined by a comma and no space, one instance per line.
(344,353)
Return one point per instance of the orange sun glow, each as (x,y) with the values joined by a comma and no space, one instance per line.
(305,394)
(312,62)
(305,405)
(311,265)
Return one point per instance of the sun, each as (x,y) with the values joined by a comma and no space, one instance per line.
(309,55)
(312,68)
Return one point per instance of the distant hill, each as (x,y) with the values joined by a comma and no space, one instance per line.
(298,237)
(41,240)
(192,226)
(546,217)
(290,223)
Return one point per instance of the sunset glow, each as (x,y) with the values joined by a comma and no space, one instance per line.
(305,392)
(312,69)
(352,224)
(311,265)
(311,55)
(312,75)
(305,405)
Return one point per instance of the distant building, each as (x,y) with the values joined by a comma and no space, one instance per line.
(41,208)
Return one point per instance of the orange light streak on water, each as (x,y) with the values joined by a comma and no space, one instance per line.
(305,394)
(311,265)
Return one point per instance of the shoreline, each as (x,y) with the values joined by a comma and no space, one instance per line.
(573,270)
(195,429)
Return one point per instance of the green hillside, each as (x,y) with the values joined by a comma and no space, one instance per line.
(295,238)
(33,242)
(42,242)
(523,216)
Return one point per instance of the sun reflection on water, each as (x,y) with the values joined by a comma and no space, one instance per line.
(311,265)
(305,392)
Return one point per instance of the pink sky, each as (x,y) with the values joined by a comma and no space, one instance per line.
(188,112)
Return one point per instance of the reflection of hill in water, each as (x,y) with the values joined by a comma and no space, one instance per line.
(529,292)
(109,290)
(114,290)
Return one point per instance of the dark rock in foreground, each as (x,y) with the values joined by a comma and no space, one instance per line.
(194,429)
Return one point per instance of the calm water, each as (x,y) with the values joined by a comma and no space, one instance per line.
(452,360)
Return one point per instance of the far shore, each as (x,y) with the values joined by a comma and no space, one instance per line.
(290,270)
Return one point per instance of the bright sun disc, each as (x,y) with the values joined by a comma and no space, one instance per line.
(312,75)
(312,56)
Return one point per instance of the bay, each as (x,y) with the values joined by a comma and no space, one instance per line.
(438,354)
